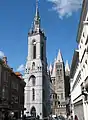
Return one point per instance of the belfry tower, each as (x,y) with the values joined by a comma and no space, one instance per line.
(37,89)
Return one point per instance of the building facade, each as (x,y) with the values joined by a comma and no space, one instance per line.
(79,68)
(67,88)
(11,91)
(37,90)
(60,86)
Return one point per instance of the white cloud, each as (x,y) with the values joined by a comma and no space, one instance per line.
(66,7)
(20,68)
(1,54)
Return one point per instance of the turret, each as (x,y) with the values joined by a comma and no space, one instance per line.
(67,69)
(54,69)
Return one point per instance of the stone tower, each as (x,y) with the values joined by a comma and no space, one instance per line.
(37,89)
(60,78)
(58,83)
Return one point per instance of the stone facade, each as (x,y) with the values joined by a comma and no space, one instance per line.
(37,90)
(79,68)
(60,90)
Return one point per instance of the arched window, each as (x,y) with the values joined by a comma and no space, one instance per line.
(60,71)
(33,80)
(33,111)
(33,65)
(34,49)
(33,94)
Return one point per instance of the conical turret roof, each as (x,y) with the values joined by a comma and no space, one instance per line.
(67,68)
(50,68)
(54,69)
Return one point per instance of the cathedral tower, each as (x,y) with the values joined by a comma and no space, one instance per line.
(36,78)
(58,82)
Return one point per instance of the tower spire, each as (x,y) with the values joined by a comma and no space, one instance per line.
(36,7)
(37,18)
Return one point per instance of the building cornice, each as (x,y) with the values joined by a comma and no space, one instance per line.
(82,18)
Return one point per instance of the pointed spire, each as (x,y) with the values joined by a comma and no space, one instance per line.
(59,57)
(36,8)
(67,68)
(37,18)
(50,68)
(47,69)
(54,69)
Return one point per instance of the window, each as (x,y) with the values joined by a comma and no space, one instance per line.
(54,81)
(33,94)
(81,41)
(58,102)
(55,103)
(61,95)
(55,96)
(33,65)
(60,72)
(33,111)
(33,81)
(5,92)
(26,70)
(34,49)
(5,75)
(14,85)
(83,34)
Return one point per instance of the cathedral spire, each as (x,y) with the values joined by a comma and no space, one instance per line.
(59,57)
(67,68)
(54,69)
(50,68)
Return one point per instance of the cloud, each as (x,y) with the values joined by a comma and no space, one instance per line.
(20,68)
(1,54)
(66,7)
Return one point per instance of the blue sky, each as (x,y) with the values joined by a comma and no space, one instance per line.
(59,21)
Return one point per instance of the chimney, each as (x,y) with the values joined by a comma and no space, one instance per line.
(5,59)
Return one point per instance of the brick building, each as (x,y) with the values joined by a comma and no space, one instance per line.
(11,91)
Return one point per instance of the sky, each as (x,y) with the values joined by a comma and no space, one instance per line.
(59,19)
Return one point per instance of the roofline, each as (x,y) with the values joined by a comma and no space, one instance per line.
(9,68)
(82,17)
(75,56)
